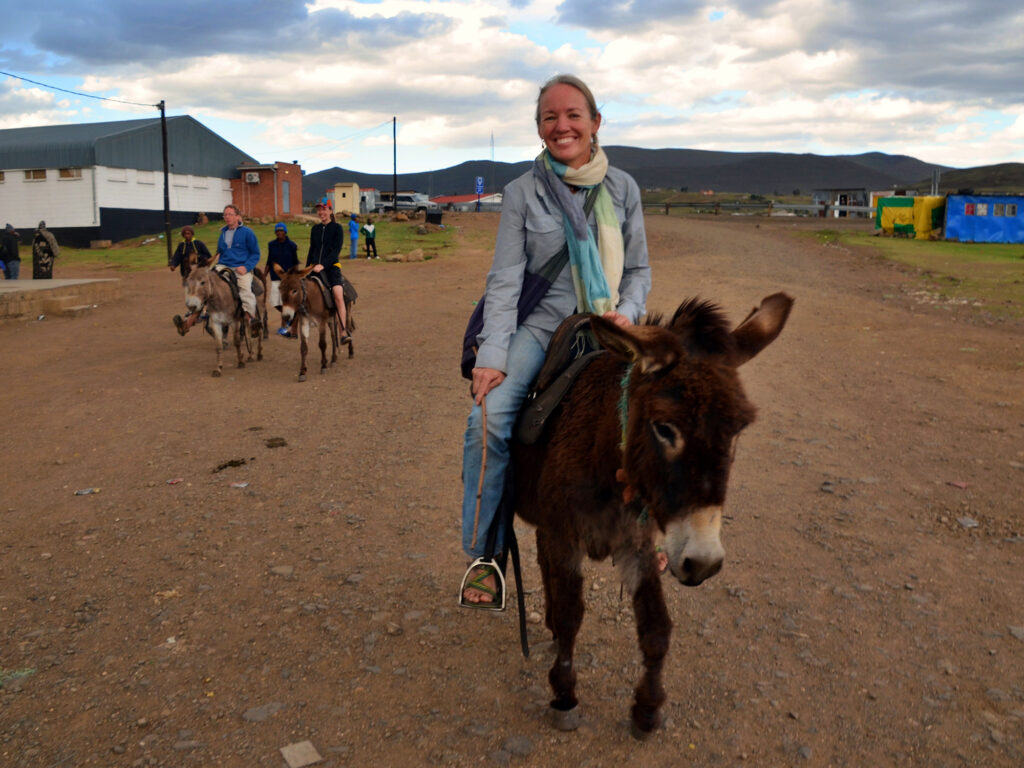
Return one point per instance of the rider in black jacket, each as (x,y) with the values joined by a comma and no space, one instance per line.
(325,241)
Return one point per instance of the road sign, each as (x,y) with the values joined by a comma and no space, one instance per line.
(479,185)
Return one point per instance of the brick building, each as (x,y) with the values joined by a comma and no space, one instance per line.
(273,191)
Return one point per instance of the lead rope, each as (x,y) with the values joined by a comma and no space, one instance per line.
(483,467)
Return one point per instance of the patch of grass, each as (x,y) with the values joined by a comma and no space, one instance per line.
(150,251)
(11,675)
(989,276)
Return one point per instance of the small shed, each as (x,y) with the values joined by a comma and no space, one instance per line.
(841,197)
(917,217)
(985,218)
(345,197)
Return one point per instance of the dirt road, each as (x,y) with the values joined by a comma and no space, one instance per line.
(870,613)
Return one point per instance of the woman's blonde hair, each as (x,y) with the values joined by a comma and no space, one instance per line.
(576,83)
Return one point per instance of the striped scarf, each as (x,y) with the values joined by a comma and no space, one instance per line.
(596,266)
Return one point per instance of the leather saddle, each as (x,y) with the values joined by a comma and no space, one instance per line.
(325,289)
(573,347)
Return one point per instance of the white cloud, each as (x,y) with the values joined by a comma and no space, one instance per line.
(833,76)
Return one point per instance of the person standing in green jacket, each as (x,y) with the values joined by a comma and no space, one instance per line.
(370,238)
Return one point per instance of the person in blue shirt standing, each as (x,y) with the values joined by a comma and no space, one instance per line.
(285,253)
(239,250)
(353,236)
(9,244)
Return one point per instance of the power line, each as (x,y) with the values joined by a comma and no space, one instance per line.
(77,93)
(334,143)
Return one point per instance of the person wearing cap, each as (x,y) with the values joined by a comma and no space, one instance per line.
(353,235)
(325,241)
(9,247)
(182,259)
(285,253)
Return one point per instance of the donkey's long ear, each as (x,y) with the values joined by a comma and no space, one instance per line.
(306,271)
(213,261)
(761,327)
(648,346)
(277,268)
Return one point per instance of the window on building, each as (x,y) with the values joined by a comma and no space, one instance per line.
(36,174)
(1,177)
(968,209)
(199,182)
(144,177)
(997,209)
(982,209)
(1011,209)
(117,174)
(70,173)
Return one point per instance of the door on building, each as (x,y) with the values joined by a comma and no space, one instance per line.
(286,201)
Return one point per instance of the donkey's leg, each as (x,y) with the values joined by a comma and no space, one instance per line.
(303,345)
(563,589)
(218,339)
(323,348)
(654,629)
(238,331)
(350,326)
(334,340)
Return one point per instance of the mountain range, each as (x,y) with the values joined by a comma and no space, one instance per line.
(764,173)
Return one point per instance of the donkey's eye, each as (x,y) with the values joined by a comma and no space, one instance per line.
(669,436)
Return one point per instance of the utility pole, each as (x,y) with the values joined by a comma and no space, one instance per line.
(167,191)
(394,157)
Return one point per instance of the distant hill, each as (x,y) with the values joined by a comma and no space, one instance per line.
(764,173)
(1006,177)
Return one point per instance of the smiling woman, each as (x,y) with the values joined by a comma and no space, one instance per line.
(576,218)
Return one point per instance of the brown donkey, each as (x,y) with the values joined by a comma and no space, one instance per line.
(303,299)
(206,290)
(639,454)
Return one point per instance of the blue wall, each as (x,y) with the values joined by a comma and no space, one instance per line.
(985,228)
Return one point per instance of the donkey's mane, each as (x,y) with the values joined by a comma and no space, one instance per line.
(702,327)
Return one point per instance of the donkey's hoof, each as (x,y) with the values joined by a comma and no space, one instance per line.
(216,373)
(259,356)
(565,719)
(323,370)
(241,364)
(302,377)
(639,733)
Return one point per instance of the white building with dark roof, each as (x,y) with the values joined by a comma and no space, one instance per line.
(104,181)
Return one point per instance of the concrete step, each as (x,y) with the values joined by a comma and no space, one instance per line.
(31,298)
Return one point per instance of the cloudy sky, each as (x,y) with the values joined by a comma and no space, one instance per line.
(320,82)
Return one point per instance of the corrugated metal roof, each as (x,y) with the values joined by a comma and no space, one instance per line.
(192,147)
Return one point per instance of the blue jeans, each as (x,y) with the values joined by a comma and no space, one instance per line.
(353,247)
(525,358)
(13,269)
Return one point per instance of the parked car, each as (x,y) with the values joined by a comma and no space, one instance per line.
(408,202)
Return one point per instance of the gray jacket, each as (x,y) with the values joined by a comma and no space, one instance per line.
(530,233)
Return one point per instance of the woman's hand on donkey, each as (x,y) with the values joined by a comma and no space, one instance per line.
(620,320)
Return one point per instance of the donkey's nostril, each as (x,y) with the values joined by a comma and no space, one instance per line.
(695,572)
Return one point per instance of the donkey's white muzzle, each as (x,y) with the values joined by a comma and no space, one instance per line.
(693,546)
